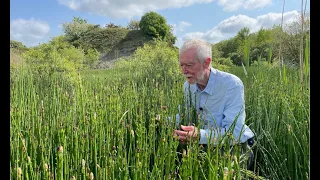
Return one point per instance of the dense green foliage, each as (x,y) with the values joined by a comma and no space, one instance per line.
(278,110)
(133,25)
(112,124)
(69,122)
(59,56)
(272,45)
(17,46)
(154,25)
(155,58)
(104,40)
(277,45)
(75,29)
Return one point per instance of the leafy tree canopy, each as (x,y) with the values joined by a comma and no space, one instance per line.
(154,25)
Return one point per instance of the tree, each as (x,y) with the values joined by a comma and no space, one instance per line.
(75,29)
(170,38)
(18,46)
(154,25)
(111,25)
(133,25)
(243,44)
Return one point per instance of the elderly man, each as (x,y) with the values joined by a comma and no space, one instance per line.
(217,96)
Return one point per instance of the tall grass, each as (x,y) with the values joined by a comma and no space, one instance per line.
(278,110)
(118,123)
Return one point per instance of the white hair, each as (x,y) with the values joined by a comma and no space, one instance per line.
(203,49)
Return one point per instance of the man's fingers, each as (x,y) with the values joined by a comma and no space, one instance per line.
(187,128)
(181,133)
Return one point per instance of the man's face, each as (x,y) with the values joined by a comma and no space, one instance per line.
(191,67)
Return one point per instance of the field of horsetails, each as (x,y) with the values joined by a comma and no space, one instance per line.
(117,123)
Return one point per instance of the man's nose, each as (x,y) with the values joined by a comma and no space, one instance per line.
(184,70)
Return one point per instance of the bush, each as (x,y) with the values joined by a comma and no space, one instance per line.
(154,60)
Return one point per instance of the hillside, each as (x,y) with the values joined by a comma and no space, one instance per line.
(123,48)
(112,43)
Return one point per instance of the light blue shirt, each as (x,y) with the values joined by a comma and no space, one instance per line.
(219,104)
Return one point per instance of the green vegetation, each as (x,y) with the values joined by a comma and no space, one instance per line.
(113,123)
(154,25)
(68,121)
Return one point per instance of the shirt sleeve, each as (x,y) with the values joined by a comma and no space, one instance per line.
(233,113)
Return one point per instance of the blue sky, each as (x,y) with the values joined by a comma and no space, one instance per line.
(33,22)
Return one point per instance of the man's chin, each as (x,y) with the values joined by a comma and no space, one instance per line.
(191,81)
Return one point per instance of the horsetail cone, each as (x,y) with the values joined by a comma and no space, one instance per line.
(83,163)
(91,176)
(60,162)
(19,172)
(60,149)
(45,166)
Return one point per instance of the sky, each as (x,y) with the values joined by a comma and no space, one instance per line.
(34,22)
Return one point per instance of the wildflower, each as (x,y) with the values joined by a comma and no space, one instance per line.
(132,132)
(73,178)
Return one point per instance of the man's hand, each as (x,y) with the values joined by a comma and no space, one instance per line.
(187,133)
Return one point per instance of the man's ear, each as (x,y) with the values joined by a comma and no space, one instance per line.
(207,62)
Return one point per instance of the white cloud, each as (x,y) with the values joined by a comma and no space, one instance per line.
(254,4)
(233,5)
(230,5)
(230,27)
(275,18)
(129,8)
(126,8)
(235,23)
(29,32)
(180,27)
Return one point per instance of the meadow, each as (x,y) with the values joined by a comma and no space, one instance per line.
(113,124)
